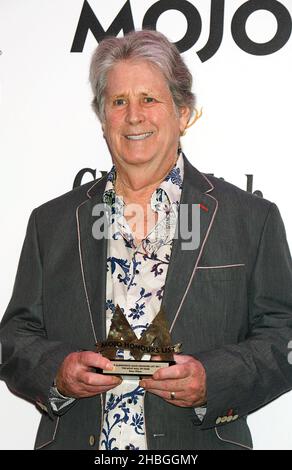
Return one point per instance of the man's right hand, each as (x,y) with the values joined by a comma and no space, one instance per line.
(76,376)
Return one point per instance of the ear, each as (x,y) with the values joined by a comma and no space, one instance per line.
(184,116)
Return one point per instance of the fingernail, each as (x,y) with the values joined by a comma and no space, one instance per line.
(109,366)
(142,384)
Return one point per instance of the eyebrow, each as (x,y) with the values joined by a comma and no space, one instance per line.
(120,95)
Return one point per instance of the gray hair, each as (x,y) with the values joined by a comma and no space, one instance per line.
(146,45)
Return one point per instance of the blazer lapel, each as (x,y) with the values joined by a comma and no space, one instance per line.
(183,263)
(92,255)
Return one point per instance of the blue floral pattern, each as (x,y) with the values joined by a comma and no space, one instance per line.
(120,405)
(175,177)
(135,281)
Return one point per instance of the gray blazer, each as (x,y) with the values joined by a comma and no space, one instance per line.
(229,302)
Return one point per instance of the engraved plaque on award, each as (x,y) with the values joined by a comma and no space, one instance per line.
(155,341)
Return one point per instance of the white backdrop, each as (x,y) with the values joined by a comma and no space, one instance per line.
(48,133)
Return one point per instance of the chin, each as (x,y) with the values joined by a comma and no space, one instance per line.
(136,158)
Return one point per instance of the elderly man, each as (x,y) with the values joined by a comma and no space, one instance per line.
(229,301)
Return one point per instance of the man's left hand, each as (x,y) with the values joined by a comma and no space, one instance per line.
(183,384)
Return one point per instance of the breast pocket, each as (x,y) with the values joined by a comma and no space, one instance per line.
(216,306)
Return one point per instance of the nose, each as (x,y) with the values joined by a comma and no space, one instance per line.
(135,113)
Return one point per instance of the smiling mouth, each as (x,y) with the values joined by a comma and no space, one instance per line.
(138,136)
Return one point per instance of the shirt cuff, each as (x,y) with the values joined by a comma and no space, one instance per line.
(59,401)
(201,412)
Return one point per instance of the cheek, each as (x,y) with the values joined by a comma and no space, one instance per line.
(168,118)
(116,120)
(161,120)
(111,129)
(113,121)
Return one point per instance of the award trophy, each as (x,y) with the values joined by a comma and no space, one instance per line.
(154,341)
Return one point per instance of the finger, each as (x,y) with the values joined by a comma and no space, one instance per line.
(92,359)
(177,371)
(178,401)
(83,391)
(166,395)
(166,385)
(156,358)
(183,358)
(97,380)
(88,384)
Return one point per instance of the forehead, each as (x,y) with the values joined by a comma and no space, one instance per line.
(135,76)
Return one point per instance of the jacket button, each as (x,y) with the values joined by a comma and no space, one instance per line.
(91,440)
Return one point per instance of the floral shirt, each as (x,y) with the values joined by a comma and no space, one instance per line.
(135,281)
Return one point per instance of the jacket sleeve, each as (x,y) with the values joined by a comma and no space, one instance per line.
(29,360)
(245,376)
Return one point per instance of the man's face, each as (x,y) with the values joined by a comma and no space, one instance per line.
(141,125)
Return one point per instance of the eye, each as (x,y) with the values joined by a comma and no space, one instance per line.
(119,102)
(149,99)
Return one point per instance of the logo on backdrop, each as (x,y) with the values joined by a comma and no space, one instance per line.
(124,21)
(78,180)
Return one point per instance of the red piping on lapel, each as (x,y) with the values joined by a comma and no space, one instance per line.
(204,208)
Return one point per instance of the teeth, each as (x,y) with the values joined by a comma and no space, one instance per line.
(139,136)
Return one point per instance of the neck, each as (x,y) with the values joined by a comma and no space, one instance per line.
(142,194)
(137,184)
